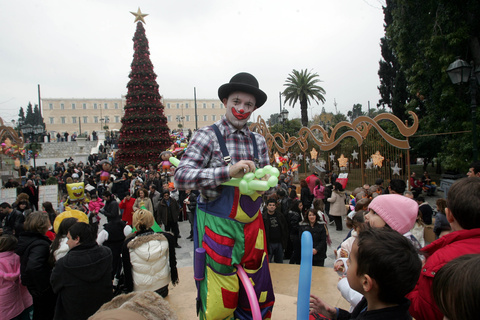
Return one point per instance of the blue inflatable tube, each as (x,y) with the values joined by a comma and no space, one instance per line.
(305,277)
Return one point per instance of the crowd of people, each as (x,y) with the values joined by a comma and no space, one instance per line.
(67,263)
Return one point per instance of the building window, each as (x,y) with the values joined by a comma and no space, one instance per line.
(204,106)
(95,119)
(213,105)
(186,105)
(84,106)
(62,106)
(169,118)
(187,118)
(105,106)
(50,106)
(214,117)
(178,105)
(51,120)
(74,119)
(168,105)
(116,105)
(117,119)
(205,118)
(94,106)
(85,119)
(222,106)
(73,106)
(62,120)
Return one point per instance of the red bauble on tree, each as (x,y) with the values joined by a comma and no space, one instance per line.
(144,133)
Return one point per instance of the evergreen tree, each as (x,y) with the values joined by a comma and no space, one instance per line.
(30,119)
(355,112)
(37,116)
(144,133)
(426,37)
(393,85)
(21,116)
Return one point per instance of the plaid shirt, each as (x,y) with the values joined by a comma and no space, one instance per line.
(202,166)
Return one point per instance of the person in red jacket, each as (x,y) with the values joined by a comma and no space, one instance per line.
(127,206)
(463,214)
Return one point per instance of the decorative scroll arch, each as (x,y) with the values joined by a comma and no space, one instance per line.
(359,129)
(10,133)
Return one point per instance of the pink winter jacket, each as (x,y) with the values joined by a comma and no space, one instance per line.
(14,297)
(95,206)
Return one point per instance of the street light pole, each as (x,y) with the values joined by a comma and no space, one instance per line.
(460,71)
(473,106)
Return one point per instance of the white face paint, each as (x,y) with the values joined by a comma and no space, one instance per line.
(240,106)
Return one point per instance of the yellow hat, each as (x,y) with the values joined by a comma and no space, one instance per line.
(69,213)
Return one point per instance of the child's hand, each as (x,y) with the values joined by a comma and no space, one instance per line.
(339,266)
(318,306)
(343,253)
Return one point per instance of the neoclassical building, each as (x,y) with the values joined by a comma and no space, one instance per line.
(88,114)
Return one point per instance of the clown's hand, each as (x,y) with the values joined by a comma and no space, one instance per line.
(241,168)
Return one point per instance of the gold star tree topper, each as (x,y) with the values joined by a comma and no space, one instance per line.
(139,15)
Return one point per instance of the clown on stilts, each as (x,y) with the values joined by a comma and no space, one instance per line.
(228,223)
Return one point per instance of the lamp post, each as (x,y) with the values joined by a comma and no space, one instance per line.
(284,116)
(460,71)
(33,132)
(179,119)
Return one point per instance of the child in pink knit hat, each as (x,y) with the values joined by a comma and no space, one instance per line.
(393,211)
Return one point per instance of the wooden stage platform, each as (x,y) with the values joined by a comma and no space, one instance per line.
(285,285)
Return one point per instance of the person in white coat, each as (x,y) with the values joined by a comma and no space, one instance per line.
(149,260)
(337,205)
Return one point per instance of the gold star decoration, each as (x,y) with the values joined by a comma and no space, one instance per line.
(342,161)
(377,159)
(139,15)
(314,154)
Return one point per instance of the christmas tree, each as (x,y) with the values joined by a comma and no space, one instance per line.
(144,133)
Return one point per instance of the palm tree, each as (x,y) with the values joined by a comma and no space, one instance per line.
(301,86)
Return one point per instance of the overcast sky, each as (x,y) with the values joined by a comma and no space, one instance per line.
(83,49)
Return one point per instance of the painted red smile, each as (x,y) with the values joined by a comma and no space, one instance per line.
(240,116)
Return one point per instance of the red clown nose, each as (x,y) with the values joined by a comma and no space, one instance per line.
(241,111)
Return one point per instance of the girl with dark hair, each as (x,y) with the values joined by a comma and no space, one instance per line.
(59,246)
(48,208)
(24,207)
(317,227)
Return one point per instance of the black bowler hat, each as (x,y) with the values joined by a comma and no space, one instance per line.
(243,82)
